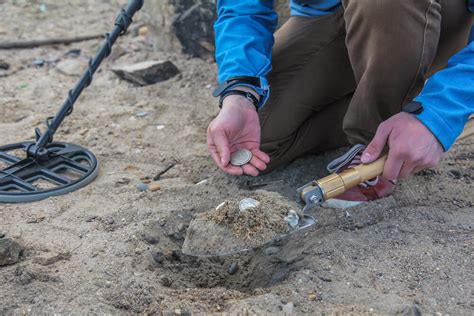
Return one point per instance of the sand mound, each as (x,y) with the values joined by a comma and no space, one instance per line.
(226,229)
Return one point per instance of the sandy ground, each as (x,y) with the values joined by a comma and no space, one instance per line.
(117,250)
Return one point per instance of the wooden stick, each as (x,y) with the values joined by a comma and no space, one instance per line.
(162,172)
(48,41)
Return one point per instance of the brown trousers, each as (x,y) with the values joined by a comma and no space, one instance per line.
(336,78)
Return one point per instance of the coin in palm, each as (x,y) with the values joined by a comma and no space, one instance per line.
(240,157)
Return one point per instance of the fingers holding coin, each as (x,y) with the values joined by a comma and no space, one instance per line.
(265,158)
(251,162)
(250,170)
(241,157)
(259,161)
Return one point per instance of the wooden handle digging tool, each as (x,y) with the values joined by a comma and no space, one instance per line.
(318,191)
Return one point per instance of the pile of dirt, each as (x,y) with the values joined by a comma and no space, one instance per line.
(226,229)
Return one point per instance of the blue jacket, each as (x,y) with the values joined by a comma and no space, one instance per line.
(244,40)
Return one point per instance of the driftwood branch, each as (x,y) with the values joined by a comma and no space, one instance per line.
(47,41)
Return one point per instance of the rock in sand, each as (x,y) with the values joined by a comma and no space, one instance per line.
(147,72)
(151,237)
(4,65)
(234,267)
(71,67)
(9,251)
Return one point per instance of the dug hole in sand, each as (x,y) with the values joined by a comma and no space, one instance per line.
(227,230)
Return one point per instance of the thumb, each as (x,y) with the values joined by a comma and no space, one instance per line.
(222,145)
(376,146)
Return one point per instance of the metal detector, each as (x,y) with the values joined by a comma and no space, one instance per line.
(35,170)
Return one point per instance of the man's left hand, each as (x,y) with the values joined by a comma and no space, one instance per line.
(412,146)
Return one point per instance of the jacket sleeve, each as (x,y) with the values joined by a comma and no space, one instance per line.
(448,96)
(244,37)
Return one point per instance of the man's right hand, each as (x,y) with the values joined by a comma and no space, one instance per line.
(236,127)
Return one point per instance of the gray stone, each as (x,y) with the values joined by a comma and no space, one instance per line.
(147,72)
(142,187)
(158,256)
(75,52)
(165,282)
(10,251)
(271,250)
(109,221)
(151,237)
(71,67)
(4,65)
(234,267)
(181,227)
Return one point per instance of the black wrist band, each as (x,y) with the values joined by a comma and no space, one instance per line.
(245,94)
(252,81)
(413,107)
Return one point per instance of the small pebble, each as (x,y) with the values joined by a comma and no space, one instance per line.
(181,227)
(158,256)
(455,174)
(4,65)
(9,251)
(141,114)
(154,187)
(234,267)
(92,218)
(74,53)
(165,282)
(143,31)
(271,251)
(142,187)
(38,62)
(292,219)
(109,221)
(176,255)
(43,8)
(2,235)
(151,238)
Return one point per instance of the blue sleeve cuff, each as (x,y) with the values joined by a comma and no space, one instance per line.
(448,97)
(442,131)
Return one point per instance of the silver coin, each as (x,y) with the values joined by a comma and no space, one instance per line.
(247,204)
(240,157)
